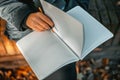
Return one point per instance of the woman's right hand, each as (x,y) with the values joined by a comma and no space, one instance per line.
(39,22)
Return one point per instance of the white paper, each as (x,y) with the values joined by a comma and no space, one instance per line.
(45,53)
(94,32)
(68,28)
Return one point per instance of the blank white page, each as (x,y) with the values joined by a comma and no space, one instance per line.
(67,27)
(45,53)
(94,32)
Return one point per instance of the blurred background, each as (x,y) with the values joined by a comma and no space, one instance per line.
(103,63)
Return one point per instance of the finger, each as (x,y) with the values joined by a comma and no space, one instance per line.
(42,24)
(46,19)
(38,27)
(37,23)
(34,26)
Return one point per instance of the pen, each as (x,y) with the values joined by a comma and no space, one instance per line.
(41,10)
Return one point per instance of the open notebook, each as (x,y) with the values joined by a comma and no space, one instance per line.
(76,34)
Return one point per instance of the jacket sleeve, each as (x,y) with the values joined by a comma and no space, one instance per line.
(14,12)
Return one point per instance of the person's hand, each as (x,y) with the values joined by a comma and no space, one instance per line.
(39,22)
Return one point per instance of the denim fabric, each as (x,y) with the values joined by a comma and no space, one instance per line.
(58,3)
